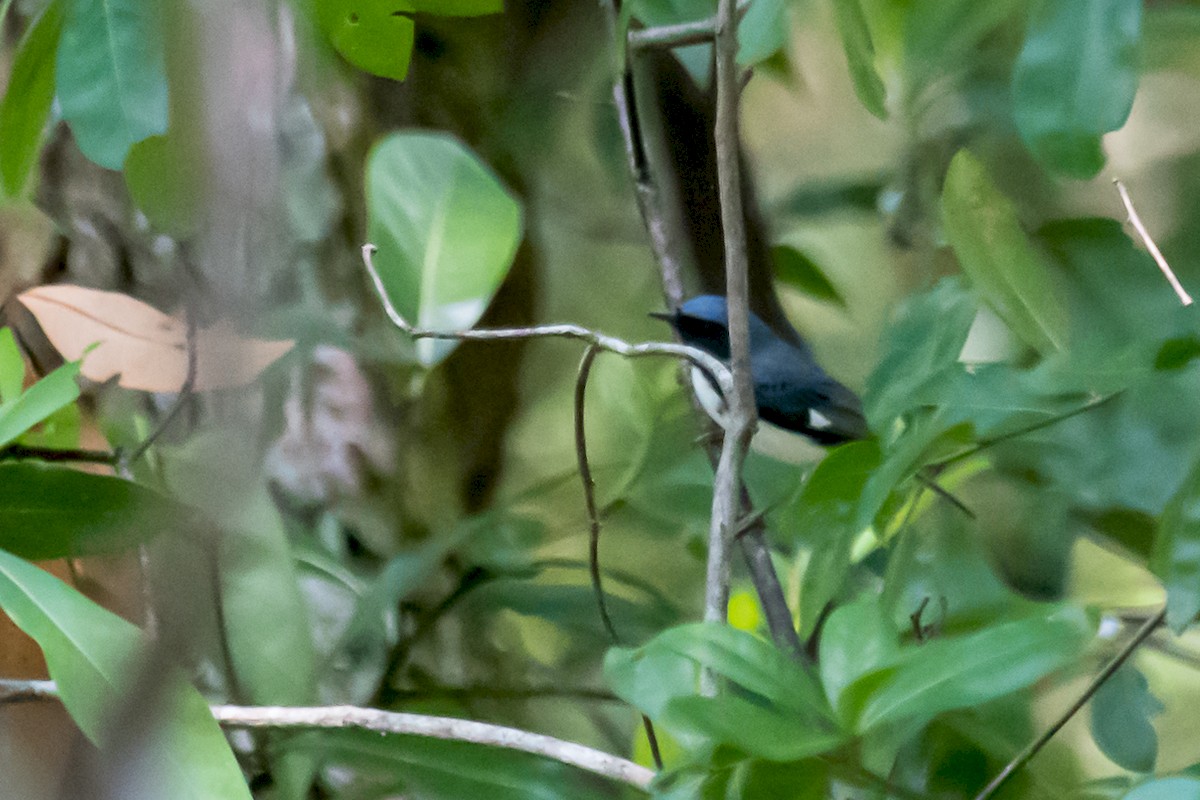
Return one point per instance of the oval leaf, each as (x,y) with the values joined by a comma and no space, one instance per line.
(54,512)
(1176,555)
(860,52)
(942,675)
(28,98)
(446,230)
(1075,79)
(1121,712)
(800,272)
(112,84)
(146,348)
(982,226)
(89,652)
(374,35)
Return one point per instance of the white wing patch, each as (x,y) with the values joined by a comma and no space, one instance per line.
(818,421)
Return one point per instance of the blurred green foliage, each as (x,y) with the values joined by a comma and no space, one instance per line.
(944,232)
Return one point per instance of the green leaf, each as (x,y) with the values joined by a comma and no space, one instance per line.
(921,356)
(56,390)
(1121,712)
(162,182)
(12,367)
(964,671)
(111,80)
(28,98)
(1176,555)
(982,226)
(856,639)
(762,32)
(945,36)
(374,35)
(446,228)
(418,766)
(783,716)
(1167,789)
(49,511)
(90,653)
(860,53)
(800,272)
(823,515)
(736,722)
(1075,80)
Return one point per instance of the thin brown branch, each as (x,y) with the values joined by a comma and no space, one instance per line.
(1023,758)
(393,722)
(667,249)
(1136,222)
(681,34)
(589,494)
(602,341)
(18,691)
(742,413)
(447,728)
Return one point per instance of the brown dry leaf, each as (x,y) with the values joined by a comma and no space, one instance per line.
(145,347)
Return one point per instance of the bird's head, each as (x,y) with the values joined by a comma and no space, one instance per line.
(703,322)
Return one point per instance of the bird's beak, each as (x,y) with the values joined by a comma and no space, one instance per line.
(663,315)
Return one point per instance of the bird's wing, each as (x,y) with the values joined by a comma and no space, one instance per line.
(824,410)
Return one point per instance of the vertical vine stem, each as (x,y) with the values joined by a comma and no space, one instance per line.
(742,412)
(589,495)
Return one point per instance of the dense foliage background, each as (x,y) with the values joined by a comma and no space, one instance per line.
(255,490)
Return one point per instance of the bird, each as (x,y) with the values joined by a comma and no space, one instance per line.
(802,409)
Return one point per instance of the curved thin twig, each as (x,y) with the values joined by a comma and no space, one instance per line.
(589,496)
(448,728)
(602,341)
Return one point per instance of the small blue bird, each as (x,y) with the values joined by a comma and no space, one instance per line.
(791,390)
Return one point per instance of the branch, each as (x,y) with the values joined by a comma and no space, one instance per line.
(447,728)
(1023,758)
(699,31)
(601,341)
(589,496)
(742,413)
(181,397)
(17,691)
(1136,222)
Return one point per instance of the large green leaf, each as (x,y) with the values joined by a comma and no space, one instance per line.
(1121,712)
(446,229)
(921,357)
(856,639)
(90,652)
(993,249)
(415,766)
(162,181)
(787,717)
(930,678)
(111,76)
(12,367)
(27,99)
(51,393)
(798,270)
(1075,80)
(1176,556)
(49,511)
(860,53)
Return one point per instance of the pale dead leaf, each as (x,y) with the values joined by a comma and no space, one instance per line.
(146,348)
